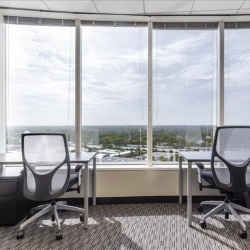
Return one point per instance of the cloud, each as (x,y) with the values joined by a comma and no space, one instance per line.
(114,75)
(39,76)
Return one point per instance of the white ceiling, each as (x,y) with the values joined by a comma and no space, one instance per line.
(170,7)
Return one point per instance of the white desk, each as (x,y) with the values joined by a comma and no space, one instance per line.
(82,158)
(190,157)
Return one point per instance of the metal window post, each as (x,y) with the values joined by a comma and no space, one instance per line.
(78,86)
(220,107)
(2,87)
(150,93)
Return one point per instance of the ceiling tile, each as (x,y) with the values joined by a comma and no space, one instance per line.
(245,7)
(244,11)
(120,6)
(223,7)
(178,7)
(154,6)
(37,5)
(214,12)
(73,6)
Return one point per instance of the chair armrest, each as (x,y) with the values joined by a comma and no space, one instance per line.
(200,165)
(200,168)
(79,181)
(78,168)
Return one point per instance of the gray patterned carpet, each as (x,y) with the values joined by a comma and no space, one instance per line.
(137,226)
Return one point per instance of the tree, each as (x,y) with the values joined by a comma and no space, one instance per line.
(162,158)
(138,151)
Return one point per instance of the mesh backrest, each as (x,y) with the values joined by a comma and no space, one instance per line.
(232,151)
(44,150)
(222,171)
(233,144)
(31,183)
(46,161)
(58,180)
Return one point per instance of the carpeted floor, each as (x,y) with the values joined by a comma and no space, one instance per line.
(135,226)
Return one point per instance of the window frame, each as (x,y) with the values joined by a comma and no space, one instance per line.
(78,79)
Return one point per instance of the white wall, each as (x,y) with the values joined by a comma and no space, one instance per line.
(129,183)
(2,87)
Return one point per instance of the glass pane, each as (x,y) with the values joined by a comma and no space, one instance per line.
(185,64)
(114,93)
(237,77)
(40,81)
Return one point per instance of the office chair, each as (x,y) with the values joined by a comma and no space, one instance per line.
(47,176)
(230,172)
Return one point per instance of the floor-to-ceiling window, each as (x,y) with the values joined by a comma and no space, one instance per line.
(39,78)
(114,91)
(184,88)
(40,84)
(237,77)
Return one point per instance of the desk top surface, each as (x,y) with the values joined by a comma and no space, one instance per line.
(196,156)
(16,158)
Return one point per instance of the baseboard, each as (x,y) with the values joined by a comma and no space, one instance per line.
(140,199)
(153,199)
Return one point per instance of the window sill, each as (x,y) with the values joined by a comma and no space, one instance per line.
(170,167)
(173,167)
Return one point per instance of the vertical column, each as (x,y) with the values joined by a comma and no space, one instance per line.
(2,87)
(150,93)
(220,107)
(78,84)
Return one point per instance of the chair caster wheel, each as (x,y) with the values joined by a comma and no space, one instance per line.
(59,235)
(226,215)
(203,224)
(53,217)
(82,217)
(30,214)
(200,208)
(243,234)
(20,235)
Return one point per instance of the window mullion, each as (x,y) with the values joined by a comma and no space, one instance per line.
(150,94)
(220,108)
(78,88)
(2,88)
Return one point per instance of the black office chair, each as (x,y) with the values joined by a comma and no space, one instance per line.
(47,176)
(230,172)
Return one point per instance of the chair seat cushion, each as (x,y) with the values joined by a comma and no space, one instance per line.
(208,177)
(73,180)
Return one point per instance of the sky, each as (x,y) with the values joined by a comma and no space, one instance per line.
(114,76)
(237,77)
(41,72)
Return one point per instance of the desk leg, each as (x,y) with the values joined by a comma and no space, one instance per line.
(86,195)
(189,193)
(180,180)
(94,182)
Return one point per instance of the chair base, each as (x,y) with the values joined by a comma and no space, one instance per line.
(227,206)
(49,208)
